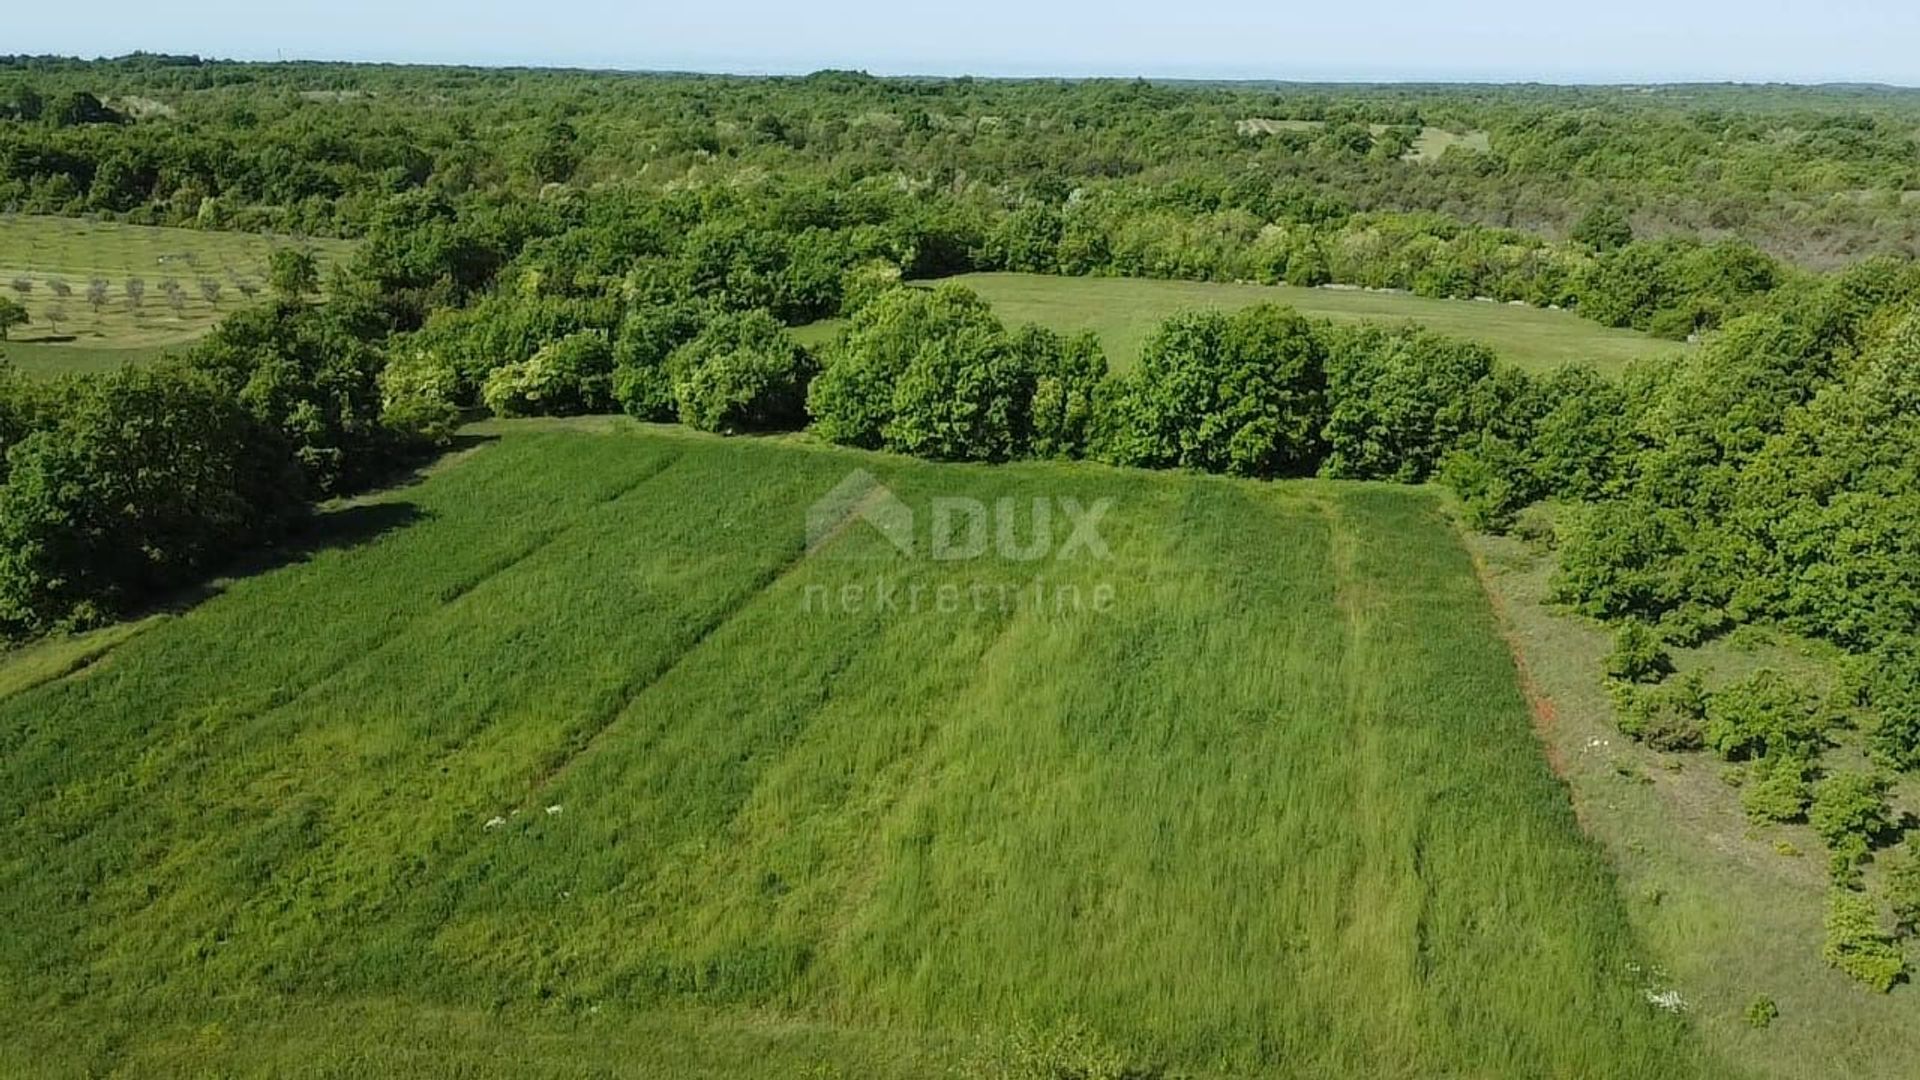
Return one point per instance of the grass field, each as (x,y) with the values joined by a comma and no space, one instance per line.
(576,758)
(77,280)
(1124,311)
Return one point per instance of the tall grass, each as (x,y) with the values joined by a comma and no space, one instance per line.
(580,748)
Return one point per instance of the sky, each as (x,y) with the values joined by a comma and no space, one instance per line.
(1343,40)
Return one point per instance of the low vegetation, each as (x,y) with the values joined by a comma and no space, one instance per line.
(717,800)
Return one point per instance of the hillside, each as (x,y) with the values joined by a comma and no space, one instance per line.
(578,755)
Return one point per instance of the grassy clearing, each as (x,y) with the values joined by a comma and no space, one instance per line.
(1735,916)
(576,747)
(1427,146)
(46,360)
(187,280)
(1124,311)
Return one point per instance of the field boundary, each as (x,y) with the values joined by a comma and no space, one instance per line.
(1540,705)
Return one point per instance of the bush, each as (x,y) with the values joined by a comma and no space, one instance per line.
(1669,717)
(1778,789)
(311,373)
(1903,892)
(741,373)
(1617,560)
(1762,1012)
(934,373)
(1851,813)
(1764,715)
(932,334)
(1494,482)
(1857,945)
(567,377)
(1638,655)
(1241,393)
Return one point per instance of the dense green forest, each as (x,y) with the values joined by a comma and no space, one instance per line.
(555,243)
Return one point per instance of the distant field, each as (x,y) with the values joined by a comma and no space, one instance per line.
(575,759)
(1124,311)
(99,285)
(1427,146)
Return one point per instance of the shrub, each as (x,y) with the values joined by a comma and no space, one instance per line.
(742,372)
(1764,715)
(134,483)
(1903,892)
(1669,717)
(564,378)
(1891,687)
(1067,375)
(1762,1012)
(1618,558)
(420,395)
(1857,945)
(1493,481)
(1778,789)
(1638,655)
(1851,806)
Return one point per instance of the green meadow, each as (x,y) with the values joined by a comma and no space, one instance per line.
(578,757)
(100,294)
(1125,311)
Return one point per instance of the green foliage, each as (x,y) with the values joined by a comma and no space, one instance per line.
(293,274)
(1856,943)
(1778,789)
(1850,810)
(1761,1012)
(740,373)
(1765,715)
(1603,229)
(311,373)
(1067,377)
(128,485)
(1903,893)
(1399,401)
(1671,716)
(1617,560)
(12,314)
(564,378)
(934,373)
(1241,393)
(1639,655)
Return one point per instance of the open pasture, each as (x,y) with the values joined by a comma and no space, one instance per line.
(1125,311)
(579,756)
(96,286)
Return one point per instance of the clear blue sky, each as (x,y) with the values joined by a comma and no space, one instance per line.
(1607,41)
